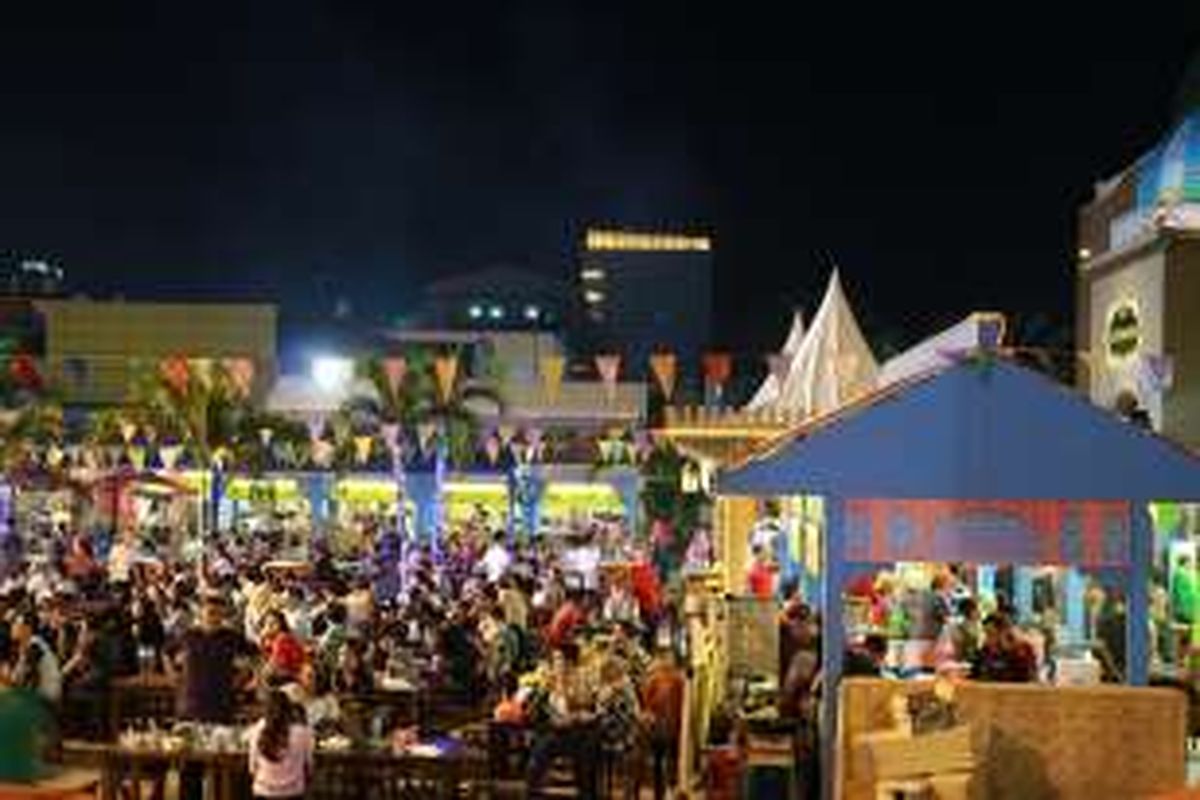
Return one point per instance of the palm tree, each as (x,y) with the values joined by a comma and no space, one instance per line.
(416,405)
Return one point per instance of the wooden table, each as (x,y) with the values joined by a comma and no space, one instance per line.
(337,775)
(63,784)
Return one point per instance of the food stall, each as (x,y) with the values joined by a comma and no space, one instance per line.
(980,462)
(273,508)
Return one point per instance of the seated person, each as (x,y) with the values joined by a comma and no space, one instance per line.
(24,724)
(866,659)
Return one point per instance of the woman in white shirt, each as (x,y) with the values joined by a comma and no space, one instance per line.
(281,751)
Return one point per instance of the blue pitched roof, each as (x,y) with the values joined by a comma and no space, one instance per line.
(973,431)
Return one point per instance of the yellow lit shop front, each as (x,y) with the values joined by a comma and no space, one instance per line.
(275,507)
(363,506)
(573,503)
(477,502)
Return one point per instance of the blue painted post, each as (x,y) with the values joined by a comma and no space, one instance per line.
(1137,613)
(421,488)
(985,580)
(626,484)
(833,638)
(513,509)
(1075,587)
(1023,592)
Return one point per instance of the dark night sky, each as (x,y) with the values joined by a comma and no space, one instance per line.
(300,149)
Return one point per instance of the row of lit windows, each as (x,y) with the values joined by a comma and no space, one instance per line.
(479,311)
(624,240)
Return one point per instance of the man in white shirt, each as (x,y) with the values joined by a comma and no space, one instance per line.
(497,559)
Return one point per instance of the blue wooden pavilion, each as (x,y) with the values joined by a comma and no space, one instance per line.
(985,462)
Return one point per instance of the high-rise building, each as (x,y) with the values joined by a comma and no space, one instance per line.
(496,298)
(1138,285)
(645,291)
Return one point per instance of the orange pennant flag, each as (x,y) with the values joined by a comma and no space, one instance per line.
(446,369)
(717,367)
(395,368)
(663,366)
(552,374)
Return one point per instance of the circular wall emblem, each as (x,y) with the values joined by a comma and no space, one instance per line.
(1123,333)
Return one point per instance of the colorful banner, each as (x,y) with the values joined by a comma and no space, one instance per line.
(663,366)
(445,368)
(394,370)
(241,374)
(492,449)
(425,433)
(203,368)
(1087,533)
(551,370)
(609,367)
(362,448)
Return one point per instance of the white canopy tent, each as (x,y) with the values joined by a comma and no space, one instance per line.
(831,365)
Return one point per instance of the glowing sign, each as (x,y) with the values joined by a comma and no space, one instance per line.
(1123,331)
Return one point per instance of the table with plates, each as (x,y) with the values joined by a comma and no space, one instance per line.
(343,769)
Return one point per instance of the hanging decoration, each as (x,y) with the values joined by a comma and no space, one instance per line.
(128,431)
(445,368)
(551,370)
(362,448)
(425,434)
(137,457)
(506,433)
(54,456)
(265,435)
(241,374)
(175,373)
(663,366)
(491,448)
(203,368)
(322,452)
(169,455)
(533,436)
(22,369)
(394,370)
(607,446)
(391,434)
(609,366)
(717,367)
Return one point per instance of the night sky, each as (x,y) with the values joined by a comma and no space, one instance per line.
(300,151)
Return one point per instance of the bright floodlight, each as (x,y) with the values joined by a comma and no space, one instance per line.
(497,312)
(476,311)
(531,312)
(332,373)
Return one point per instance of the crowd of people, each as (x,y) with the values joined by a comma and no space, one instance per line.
(543,637)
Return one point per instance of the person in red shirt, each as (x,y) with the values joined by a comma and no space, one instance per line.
(282,649)
(565,621)
(762,576)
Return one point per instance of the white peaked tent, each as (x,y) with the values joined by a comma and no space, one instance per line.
(768,390)
(833,364)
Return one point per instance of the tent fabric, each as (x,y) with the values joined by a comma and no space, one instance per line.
(974,430)
(978,331)
(832,364)
(768,391)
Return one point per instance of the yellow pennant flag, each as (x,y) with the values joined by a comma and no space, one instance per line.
(552,374)
(663,366)
(446,369)
(609,365)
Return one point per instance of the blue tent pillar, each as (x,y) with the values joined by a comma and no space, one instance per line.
(626,482)
(985,582)
(422,488)
(318,487)
(833,636)
(531,502)
(1023,592)
(1075,587)
(1137,614)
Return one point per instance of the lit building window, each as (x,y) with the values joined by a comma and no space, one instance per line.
(532,312)
(496,312)
(476,312)
(592,274)
(592,297)
(626,240)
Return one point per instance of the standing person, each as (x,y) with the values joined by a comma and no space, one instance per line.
(496,559)
(208,659)
(662,699)
(280,752)
(37,666)
(283,650)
